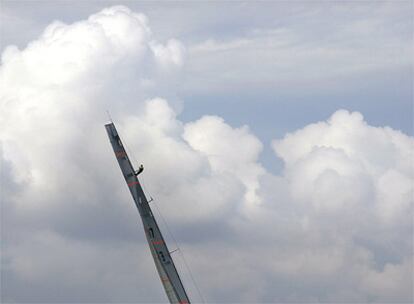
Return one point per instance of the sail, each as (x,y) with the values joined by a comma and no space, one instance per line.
(165,265)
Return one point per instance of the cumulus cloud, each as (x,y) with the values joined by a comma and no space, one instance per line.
(335,226)
(228,150)
(338,176)
(344,162)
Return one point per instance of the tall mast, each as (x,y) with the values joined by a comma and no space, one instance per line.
(165,265)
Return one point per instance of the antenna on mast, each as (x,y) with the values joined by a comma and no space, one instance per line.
(109,116)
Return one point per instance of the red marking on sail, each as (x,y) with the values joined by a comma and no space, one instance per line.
(158,242)
(120,154)
(133,183)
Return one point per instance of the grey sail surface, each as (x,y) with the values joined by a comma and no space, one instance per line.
(165,265)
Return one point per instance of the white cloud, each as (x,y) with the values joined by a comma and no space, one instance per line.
(336,226)
(351,186)
(344,161)
(211,45)
(228,150)
(53,101)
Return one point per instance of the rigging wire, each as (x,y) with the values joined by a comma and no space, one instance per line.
(179,249)
(182,254)
(133,160)
(168,230)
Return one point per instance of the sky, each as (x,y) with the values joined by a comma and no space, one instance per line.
(277,141)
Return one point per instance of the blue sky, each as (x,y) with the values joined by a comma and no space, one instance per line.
(287,117)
